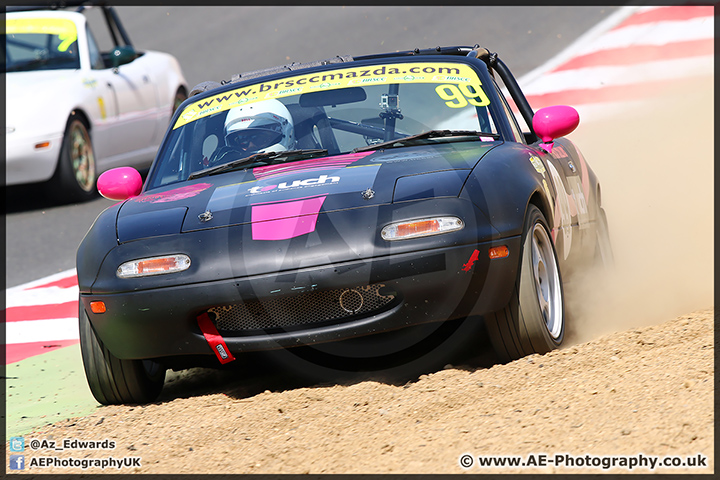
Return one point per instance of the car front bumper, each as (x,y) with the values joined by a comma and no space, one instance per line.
(416,288)
(24,163)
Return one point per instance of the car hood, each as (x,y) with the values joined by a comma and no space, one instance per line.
(36,91)
(284,200)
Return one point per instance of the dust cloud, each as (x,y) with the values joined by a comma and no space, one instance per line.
(655,165)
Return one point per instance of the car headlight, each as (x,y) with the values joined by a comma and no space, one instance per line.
(9,130)
(154,266)
(421,228)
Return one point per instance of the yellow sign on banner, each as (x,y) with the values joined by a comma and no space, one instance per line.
(62,27)
(436,72)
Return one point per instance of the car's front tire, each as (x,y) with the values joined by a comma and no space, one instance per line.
(75,174)
(534,319)
(113,380)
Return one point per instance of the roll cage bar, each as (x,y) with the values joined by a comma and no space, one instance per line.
(493,62)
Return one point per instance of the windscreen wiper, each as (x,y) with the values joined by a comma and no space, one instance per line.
(260,157)
(405,141)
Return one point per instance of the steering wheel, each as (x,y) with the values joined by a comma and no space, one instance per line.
(221,155)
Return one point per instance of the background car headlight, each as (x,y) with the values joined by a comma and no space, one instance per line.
(421,228)
(154,266)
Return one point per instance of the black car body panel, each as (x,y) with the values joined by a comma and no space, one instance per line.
(170,312)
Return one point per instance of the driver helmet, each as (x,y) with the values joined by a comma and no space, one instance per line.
(260,127)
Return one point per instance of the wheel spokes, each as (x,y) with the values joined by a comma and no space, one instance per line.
(81,157)
(547,280)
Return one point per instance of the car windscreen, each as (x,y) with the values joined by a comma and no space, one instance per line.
(40,44)
(338,110)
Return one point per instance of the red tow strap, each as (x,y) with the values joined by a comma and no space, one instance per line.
(215,340)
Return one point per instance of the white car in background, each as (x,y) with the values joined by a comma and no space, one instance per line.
(74,110)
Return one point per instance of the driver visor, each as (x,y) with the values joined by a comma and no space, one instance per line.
(254,138)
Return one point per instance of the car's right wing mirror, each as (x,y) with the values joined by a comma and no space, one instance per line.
(121,56)
(120,183)
(554,122)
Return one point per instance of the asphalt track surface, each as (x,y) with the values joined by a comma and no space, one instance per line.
(212,43)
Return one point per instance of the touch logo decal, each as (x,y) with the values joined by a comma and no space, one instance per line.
(309,182)
(292,186)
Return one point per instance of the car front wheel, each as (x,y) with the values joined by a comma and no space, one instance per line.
(113,380)
(534,319)
(75,175)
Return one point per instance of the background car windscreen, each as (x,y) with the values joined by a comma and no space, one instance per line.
(27,51)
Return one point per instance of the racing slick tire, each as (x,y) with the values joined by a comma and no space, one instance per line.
(534,319)
(75,174)
(112,380)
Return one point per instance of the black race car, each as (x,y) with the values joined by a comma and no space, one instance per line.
(381,197)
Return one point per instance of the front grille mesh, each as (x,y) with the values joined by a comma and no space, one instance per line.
(302,309)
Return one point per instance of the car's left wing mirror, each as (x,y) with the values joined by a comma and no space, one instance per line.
(122,55)
(554,122)
(120,183)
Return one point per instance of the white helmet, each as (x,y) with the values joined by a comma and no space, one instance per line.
(264,126)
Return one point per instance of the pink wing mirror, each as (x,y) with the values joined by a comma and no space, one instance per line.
(554,122)
(120,183)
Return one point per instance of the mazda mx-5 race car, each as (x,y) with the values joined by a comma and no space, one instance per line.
(80,98)
(336,203)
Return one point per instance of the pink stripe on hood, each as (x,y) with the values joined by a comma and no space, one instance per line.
(284,220)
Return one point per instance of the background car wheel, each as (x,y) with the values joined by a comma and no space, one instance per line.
(116,381)
(534,320)
(75,175)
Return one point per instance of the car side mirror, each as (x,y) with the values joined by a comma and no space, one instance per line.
(122,55)
(554,122)
(120,183)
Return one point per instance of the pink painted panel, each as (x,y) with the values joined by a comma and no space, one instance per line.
(175,194)
(281,221)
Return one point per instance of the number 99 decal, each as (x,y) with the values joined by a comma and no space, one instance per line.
(458,96)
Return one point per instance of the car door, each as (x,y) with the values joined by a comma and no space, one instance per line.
(571,196)
(137,105)
(129,106)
